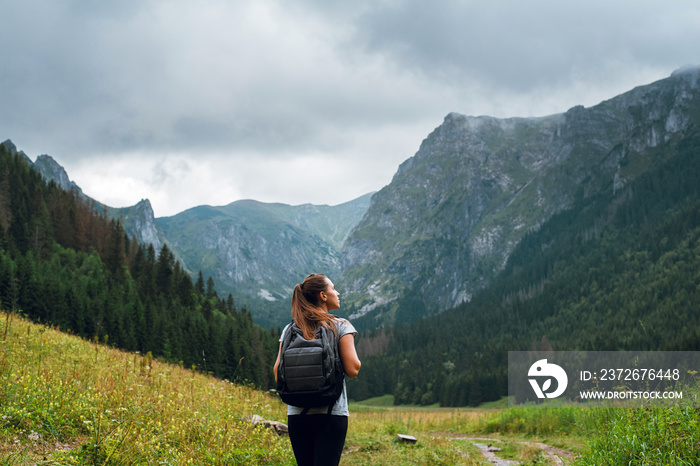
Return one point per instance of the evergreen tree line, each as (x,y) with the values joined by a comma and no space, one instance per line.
(63,264)
(617,271)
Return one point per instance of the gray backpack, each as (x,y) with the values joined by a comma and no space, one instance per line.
(310,373)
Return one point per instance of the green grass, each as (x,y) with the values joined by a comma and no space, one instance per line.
(67,401)
(384,400)
(64,400)
(668,436)
(499,404)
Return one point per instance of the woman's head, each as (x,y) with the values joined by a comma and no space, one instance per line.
(312,299)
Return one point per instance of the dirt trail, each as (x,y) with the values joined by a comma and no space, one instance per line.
(485,444)
(555,455)
(491,456)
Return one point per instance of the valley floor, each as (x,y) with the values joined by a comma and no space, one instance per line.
(446,436)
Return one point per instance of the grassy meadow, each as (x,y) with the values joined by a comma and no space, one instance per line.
(64,400)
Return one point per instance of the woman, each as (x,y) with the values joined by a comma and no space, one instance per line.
(316,437)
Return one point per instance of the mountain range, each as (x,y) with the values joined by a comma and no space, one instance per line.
(255,251)
(446,224)
(259,251)
(454,212)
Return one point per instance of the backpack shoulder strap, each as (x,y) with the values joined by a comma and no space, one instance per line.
(288,337)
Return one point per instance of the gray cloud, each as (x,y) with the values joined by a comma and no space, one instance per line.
(277,86)
(523,46)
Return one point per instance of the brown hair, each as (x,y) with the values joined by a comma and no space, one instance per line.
(305,309)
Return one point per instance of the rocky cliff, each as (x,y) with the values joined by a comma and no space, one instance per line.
(139,221)
(51,170)
(453,213)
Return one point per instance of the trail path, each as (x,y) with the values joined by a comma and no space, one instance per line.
(491,456)
(556,455)
(485,444)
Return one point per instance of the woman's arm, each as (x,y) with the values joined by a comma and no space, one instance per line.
(277,363)
(351,363)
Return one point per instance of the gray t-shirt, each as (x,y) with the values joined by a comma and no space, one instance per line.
(341,406)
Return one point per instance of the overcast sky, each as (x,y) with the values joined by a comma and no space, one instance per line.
(207,102)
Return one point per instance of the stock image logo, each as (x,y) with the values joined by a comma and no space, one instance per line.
(545,372)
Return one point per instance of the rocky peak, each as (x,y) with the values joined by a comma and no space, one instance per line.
(690,72)
(51,171)
(139,221)
(13,150)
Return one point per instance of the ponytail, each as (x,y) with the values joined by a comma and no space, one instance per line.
(305,310)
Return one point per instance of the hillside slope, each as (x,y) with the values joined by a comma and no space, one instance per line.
(69,401)
(616,271)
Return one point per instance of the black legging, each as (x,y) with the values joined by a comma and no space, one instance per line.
(317,439)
